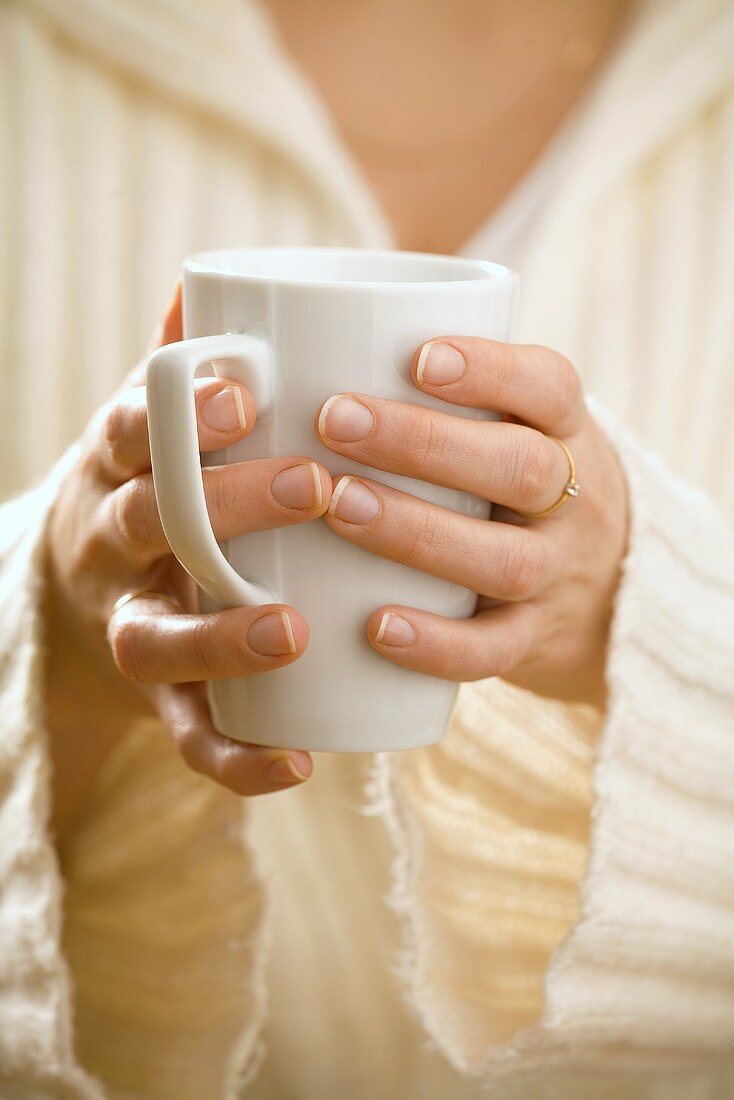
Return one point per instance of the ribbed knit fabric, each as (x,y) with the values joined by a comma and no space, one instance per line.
(561,879)
(492,832)
(133,134)
(164,928)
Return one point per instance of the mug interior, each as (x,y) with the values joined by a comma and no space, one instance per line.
(352,266)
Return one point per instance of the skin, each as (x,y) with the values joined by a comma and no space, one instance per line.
(546,587)
(460,113)
(105,538)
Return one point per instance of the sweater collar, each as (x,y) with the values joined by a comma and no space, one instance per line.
(675,57)
(223,57)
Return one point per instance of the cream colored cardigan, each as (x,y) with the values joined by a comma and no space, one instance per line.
(561,884)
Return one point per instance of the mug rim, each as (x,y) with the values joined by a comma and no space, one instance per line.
(209,263)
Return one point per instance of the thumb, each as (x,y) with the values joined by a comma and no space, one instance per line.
(167,331)
(171,327)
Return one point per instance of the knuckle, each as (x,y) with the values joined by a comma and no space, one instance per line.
(423,533)
(228,770)
(463,657)
(521,567)
(534,468)
(188,742)
(89,460)
(202,649)
(227,493)
(567,388)
(134,509)
(425,436)
(114,433)
(86,551)
(501,366)
(504,656)
(124,644)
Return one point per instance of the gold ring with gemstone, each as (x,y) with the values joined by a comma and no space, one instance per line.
(570,489)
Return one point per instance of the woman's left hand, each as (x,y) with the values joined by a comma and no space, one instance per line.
(546,585)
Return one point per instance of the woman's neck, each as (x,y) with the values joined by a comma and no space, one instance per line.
(445,105)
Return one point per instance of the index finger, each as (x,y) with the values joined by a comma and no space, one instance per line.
(532,383)
(225,413)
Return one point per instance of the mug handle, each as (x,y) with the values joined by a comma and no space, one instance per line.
(174,452)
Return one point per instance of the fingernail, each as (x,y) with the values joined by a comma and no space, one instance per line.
(272,635)
(298,486)
(439,364)
(285,770)
(345,420)
(395,630)
(353,502)
(224,411)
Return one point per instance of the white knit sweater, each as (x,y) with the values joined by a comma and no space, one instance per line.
(561,882)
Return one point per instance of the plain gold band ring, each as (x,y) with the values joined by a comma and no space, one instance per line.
(144,592)
(570,489)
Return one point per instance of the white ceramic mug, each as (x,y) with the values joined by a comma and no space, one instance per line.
(296,326)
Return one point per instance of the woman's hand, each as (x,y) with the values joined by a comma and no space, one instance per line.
(547,585)
(106,539)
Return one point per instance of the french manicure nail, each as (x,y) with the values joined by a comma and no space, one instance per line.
(298,486)
(353,502)
(224,411)
(285,771)
(395,630)
(345,420)
(439,364)
(272,635)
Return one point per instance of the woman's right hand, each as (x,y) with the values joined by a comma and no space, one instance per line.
(105,539)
